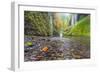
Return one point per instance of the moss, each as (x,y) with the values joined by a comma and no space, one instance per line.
(28,43)
(82,28)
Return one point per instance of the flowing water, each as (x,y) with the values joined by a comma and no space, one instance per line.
(58,48)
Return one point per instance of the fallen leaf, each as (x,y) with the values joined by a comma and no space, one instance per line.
(45,49)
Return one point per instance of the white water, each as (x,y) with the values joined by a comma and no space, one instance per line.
(73,19)
(61,35)
(64,15)
(51,24)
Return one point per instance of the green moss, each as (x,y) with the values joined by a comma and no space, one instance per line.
(82,28)
(28,43)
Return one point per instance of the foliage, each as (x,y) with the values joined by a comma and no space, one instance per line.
(37,23)
(82,28)
(28,43)
(61,25)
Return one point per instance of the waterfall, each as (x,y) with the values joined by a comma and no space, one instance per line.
(62,17)
(61,34)
(73,19)
(51,23)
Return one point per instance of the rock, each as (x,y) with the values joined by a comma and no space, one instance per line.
(75,54)
(48,48)
(33,58)
(35,52)
(52,55)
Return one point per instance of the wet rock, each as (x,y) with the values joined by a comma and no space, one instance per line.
(48,48)
(33,58)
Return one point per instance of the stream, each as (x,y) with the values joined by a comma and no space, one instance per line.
(56,48)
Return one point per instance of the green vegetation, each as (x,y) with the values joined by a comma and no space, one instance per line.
(56,36)
(40,24)
(28,44)
(36,23)
(81,28)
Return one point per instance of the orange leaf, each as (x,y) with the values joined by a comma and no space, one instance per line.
(45,49)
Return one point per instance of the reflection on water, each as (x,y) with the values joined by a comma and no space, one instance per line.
(55,48)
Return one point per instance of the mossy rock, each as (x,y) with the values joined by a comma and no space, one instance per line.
(28,44)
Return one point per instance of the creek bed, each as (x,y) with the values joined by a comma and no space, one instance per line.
(38,48)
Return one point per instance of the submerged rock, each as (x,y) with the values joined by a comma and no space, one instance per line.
(53,48)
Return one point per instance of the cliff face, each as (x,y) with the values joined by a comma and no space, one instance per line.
(36,23)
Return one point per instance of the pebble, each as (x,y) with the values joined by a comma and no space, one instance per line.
(56,50)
